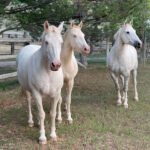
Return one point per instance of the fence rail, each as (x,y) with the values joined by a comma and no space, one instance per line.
(3,57)
(8,75)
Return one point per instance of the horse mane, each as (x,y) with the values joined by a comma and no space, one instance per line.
(117,34)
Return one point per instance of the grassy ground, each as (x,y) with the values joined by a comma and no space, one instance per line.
(98,123)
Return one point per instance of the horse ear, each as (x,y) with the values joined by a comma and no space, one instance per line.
(125,22)
(81,24)
(72,24)
(131,22)
(46,25)
(60,27)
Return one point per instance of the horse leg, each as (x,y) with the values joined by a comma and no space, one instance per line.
(122,80)
(38,100)
(115,79)
(53,116)
(134,74)
(30,121)
(69,86)
(59,118)
(125,90)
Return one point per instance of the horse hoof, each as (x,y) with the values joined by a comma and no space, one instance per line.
(136,99)
(70,121)
(65,109)
(31,125)
(59,121)
(42,142)
(119,104)
(125,106)
(54,139)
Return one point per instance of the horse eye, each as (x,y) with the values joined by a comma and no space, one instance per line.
(74,36)
(127,32)
(46,42)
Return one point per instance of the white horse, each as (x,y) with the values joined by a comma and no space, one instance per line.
(39,73)
(122,60)
(73,41)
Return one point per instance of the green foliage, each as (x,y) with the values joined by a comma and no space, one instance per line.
(101,18)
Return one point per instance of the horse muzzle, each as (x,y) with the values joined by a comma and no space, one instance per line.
(55,65)
(137,45)
(86,50)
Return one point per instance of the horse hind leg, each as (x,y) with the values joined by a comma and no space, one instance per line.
(53,117)
(30,120)
(115,79)
(125,90)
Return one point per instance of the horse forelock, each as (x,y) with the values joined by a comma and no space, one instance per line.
(53,29)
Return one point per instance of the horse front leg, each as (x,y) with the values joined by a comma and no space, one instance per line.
(30,120)
(134,74)
(38,99)
(69,87)
(59,118)
(115,79)
(125,90)
(53,116)
(122,81)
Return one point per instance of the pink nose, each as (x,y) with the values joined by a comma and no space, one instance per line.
(87,49)
(55,65)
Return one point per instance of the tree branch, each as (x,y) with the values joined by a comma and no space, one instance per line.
(25,8)
(1,32)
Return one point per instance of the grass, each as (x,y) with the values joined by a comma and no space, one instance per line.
(98,123)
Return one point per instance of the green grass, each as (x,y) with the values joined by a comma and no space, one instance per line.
(98,123)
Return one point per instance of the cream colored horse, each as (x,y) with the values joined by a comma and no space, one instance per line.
(73,41)
(39,73)
(122,60)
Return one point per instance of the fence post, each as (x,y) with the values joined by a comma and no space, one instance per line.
(12,48)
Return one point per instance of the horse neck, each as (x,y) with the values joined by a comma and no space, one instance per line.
(66,53)
(118,46)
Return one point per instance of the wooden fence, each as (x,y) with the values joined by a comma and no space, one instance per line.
(8,75)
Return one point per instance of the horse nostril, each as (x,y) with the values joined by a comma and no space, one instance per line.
(53,65)
(85,49)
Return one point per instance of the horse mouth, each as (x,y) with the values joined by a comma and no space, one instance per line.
(137,48)
(85,53)
(53,68)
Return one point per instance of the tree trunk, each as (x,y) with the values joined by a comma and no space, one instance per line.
(107,47)
(91,47)
(144,49)
(12,48)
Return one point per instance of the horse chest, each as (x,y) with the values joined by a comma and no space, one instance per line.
(49,83)
(70,70)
